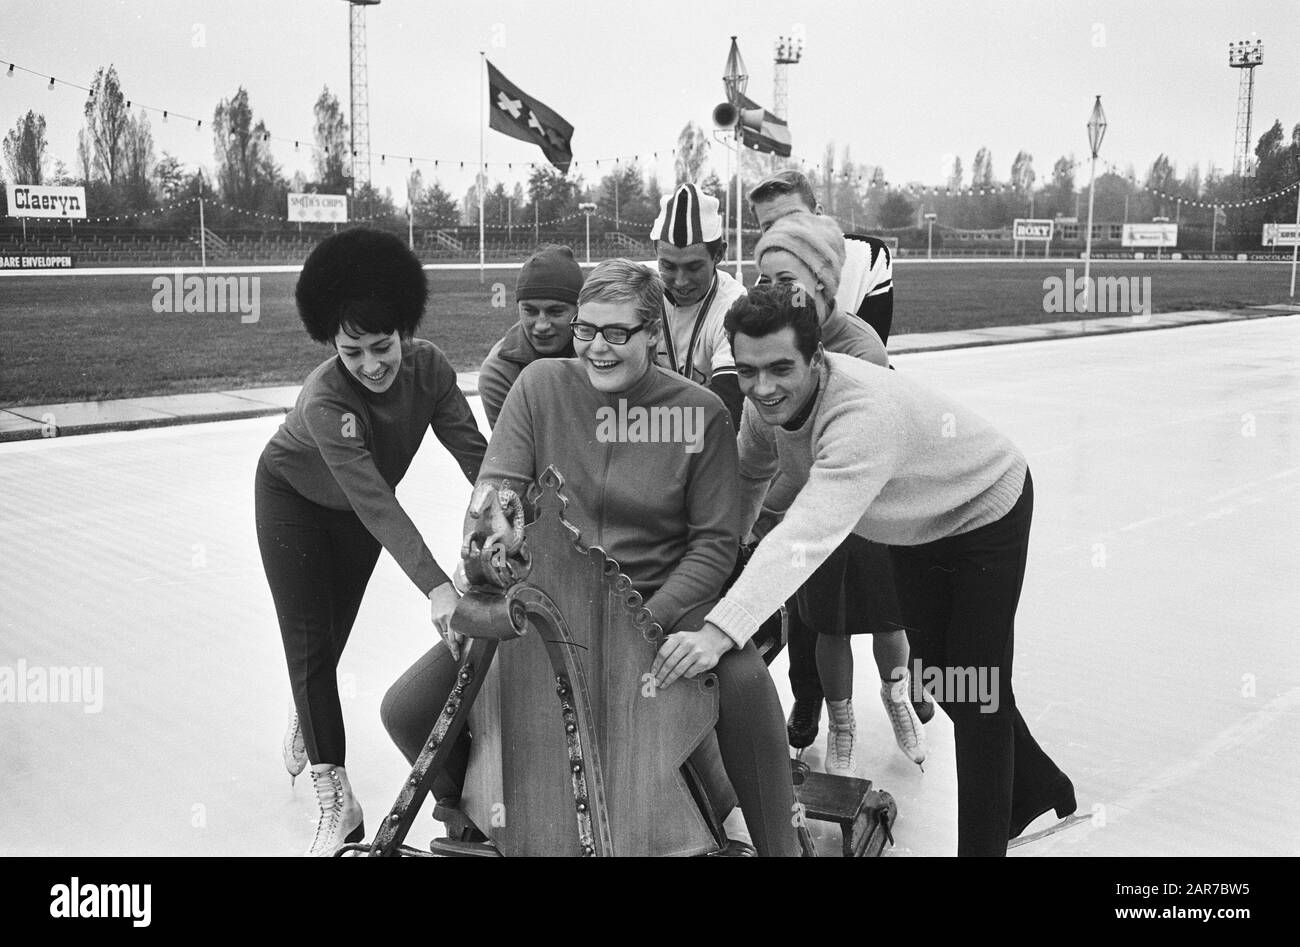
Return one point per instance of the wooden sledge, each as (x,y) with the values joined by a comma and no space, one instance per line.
(575,751)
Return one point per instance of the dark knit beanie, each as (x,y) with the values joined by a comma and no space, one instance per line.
(550,273)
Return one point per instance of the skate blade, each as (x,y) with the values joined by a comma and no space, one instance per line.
(1067,822)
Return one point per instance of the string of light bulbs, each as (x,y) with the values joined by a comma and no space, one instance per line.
(815,169)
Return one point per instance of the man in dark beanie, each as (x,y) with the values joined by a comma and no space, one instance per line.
(546,295)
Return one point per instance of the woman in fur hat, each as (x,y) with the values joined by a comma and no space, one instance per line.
(324,487)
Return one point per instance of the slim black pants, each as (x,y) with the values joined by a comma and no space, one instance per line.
(318,562)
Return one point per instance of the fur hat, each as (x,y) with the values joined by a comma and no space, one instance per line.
(363,278)
(813,239)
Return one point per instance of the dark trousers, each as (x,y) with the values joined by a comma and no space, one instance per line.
(318,562)
(751,737)
(959,598)
(805,682)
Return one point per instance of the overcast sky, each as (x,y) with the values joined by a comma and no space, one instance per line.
(906,85)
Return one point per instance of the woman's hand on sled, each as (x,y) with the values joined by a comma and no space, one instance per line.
(442,602)
(690,653)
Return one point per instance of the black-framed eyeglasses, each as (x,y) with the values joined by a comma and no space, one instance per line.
(614,335)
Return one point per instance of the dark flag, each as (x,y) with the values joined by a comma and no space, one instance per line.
(774,135)
(514,113)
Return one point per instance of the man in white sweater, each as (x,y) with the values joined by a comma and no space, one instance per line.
(689,245)
(876,453)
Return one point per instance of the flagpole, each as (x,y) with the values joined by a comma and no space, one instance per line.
(740,240)
(482,111)
(1295,247)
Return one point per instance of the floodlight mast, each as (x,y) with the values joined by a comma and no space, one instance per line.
(1245,55)
(360,93)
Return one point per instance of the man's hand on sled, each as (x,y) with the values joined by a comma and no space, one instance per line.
(689,654)
(442,602)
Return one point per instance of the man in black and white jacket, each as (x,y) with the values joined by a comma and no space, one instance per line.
(867,280)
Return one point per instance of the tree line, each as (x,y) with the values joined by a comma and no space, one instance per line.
(117,164)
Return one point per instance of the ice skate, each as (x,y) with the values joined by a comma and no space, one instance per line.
(339,820)
(907,728)
(841,738)
(294,748)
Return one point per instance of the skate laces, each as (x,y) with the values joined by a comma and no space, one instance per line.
(843,739)
(841,735)
(329,799)
(901,715)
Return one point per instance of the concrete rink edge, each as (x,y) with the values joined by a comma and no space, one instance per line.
(24,422)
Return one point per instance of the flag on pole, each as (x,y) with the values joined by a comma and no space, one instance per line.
(517,114)
(773,136)
(1220,217)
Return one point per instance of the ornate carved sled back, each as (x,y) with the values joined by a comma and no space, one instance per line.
(574,751)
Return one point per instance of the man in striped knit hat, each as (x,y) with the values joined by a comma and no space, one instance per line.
(689,246)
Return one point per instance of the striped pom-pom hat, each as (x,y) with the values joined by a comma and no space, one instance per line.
(686,217)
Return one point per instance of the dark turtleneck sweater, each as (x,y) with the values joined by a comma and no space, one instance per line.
(503,364)
(666,508)
(346,447)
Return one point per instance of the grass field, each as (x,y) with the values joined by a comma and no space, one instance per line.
(87,338)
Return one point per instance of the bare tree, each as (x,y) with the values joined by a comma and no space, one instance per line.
(137,156)
(955,175)
(981,172)
(331,153)
(246,173)
(24,150)
(85,155)
(1022,172)
(692,153)
(107,120)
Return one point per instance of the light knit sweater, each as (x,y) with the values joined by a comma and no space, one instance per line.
(881,456)
(849,335)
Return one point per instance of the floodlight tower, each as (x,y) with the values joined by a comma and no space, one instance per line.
(1244,55)
(789,50)
(360,92)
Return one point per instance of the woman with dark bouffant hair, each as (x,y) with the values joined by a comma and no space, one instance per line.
(325,486)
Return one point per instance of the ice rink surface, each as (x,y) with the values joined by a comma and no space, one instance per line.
(1157,657)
